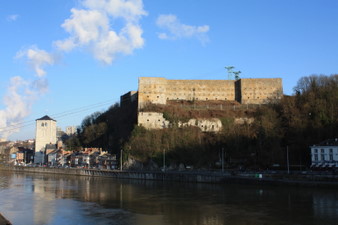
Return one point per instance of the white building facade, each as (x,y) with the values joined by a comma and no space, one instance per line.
(325,154)
(45,133)
(70,130)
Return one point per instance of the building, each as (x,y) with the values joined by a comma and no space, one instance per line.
(45,133)
(71,130)
(325,154)
(128,98)
(59,132)
(24,156)
(158,90)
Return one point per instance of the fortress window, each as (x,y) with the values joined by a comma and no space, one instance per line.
(148,120)
(206,99)
(42,124)
(158,96)
(159,120)
(147,96)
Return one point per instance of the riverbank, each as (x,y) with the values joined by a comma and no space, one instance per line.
(263,177)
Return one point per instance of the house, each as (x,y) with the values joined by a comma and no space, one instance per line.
(53,157)
(325,154)
(24,156)
(64,159)
(107,161)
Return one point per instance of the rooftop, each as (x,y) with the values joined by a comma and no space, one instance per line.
(329,142)
(46,118)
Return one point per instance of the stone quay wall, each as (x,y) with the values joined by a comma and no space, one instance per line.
(227,177)
(141,175)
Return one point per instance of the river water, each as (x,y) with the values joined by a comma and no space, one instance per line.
(54,199)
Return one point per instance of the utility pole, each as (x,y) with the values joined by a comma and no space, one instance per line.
(222,160)
(121,161)
(163,159)
(287,158)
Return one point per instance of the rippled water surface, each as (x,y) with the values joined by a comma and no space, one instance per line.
(48,199)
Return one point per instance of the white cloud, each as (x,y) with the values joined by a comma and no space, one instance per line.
(12,18)
(176,30)
(91,27)
(38,59)
(18,101)
(88,27)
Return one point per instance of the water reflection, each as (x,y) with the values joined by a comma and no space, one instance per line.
(46,199)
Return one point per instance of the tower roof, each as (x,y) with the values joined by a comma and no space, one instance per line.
(45,118)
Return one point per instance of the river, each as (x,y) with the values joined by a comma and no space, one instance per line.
(27,198)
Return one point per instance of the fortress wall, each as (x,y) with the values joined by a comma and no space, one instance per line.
(151,89)
(259,91)
(155,120)
(202,90)
(152,120)
(159,90)
(246,91)
(128,98)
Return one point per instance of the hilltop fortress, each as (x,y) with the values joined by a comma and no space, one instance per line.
(157,90)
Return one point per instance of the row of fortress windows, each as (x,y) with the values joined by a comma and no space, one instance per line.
(146,87)
(202,94)
(208,98)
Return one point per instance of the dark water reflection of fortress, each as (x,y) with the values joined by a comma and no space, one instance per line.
(56,199)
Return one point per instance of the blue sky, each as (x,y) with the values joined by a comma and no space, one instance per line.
(77,57)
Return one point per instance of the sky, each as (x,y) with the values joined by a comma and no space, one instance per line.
(71,58)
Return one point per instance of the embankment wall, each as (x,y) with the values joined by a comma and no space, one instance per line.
(142,175)
(303,180)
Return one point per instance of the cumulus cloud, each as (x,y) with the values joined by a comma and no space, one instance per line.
(91,27)
(176,30)
(37,59)
(21,94)
(18,101)
(12,18)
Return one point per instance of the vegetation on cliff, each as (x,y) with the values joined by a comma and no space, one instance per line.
(305,118)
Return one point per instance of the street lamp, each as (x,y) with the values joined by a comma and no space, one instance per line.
(163,159)
(287,158)
(121,159)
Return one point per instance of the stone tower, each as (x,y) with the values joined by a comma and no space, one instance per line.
(45,133)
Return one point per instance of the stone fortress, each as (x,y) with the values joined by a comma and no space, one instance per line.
(157,90)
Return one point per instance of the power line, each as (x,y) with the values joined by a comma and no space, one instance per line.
(56,116)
